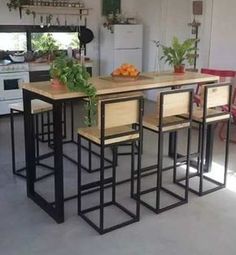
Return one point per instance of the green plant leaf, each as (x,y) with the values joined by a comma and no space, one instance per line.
(76,78)
(179,53)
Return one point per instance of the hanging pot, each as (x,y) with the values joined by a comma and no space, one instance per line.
(85,35)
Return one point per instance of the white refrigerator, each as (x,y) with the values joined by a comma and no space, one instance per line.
(125,45)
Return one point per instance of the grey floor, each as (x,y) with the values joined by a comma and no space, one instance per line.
(205,225)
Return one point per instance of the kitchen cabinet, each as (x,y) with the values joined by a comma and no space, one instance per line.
(40,71)
(39,76)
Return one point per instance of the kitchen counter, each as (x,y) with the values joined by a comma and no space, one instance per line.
(34,66)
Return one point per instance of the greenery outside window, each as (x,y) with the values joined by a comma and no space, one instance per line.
(62,39)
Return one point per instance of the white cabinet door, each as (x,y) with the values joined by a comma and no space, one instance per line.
(128,36)
(128,56)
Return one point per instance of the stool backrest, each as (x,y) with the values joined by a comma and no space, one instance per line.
(225,76)
(216,95)
(119,112)
(177,102)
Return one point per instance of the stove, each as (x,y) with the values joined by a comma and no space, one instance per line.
(12,75)
(13,67)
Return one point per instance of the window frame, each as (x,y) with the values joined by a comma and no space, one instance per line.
(36,29)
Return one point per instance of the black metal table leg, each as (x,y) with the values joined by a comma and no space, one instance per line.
(29,144)
(55,210)
(58,161)
(13,142)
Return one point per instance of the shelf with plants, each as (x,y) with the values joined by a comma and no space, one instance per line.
(56,10)
(48,8)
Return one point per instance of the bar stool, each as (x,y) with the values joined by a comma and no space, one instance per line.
(213,97)
(89,168)
(171,105)
(112,132)
(38,107)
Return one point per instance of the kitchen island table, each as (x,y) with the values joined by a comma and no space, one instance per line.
(56,97)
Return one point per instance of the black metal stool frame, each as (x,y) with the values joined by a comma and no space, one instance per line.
(202,146)
(103,182)
(18,172)
(182,200)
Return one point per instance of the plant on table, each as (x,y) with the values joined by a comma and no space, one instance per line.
(179,53)
(75,76)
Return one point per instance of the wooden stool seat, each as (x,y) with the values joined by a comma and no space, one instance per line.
(211,115)
(151,121)
(37,106)
(93,134)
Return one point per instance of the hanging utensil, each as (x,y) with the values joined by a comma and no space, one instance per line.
(58,21)
(34,17)
(65,21)
(41,22)
(85,36)
(49,20)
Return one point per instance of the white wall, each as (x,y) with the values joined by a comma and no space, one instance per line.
(94,21)
(223,36)
(162,20)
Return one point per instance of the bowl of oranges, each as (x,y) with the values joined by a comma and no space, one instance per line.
(126,72)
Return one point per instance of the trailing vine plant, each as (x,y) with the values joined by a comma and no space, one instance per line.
(76,78)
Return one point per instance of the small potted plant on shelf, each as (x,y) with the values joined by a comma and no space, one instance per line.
(68,72)
(179,53)
(15,4)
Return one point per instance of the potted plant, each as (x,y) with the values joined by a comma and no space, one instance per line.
(15,4)
(179,53)
(68,72)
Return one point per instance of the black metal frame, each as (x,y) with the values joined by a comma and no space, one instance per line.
(53,209)
(88,168)
(102,183)
(56,211)
(203,125)
(159,167)
(18,172)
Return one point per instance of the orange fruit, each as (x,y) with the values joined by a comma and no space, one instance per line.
(125,73)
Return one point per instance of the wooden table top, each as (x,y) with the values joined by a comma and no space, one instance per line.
(107,86)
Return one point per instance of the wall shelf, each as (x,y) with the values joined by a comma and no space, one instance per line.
(57,10)
(195,31)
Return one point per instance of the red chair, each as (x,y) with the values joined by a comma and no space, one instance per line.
(233,113)
(225,76)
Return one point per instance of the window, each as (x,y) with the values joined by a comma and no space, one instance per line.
(13,41)
(63,39)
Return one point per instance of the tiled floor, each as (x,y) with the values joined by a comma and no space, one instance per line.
(205,225)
